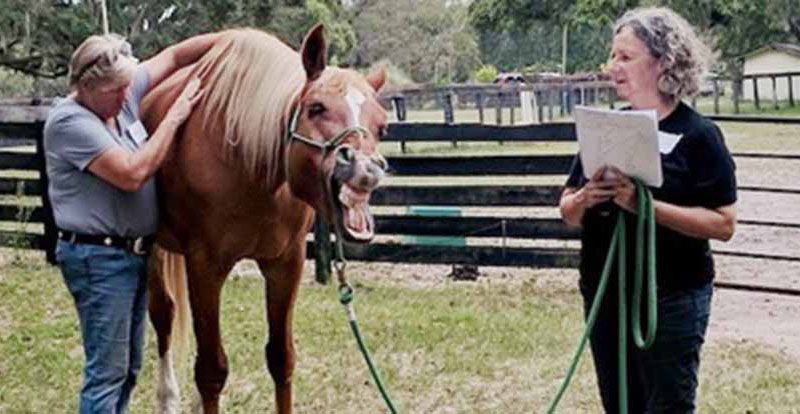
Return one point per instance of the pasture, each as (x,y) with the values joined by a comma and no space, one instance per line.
(497,345)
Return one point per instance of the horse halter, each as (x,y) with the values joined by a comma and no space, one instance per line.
(327,146)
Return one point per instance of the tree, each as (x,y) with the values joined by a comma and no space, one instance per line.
(732,27)
(514,34)
(37,37)
(431,40)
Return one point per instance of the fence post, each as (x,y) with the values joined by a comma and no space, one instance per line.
(738,88)
(499,109)
(448,107)
(322,250)
(511,107)
(562,101)
(570,99)
(539,106)
(755,92)
(612,96)
(550,104)
(479,103)
(50,233)
(716,97)
(791,90)
(400,110)
(774,93)
(399,107)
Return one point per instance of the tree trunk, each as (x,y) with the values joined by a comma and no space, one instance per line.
(564,48)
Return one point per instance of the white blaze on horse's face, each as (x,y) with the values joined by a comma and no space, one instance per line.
(357,174)
(355,99)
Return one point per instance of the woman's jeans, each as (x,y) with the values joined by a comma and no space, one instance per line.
(662,379)
(108,285)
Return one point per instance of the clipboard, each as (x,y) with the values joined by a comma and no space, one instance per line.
(628,140)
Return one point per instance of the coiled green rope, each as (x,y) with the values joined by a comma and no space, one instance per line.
(646,216)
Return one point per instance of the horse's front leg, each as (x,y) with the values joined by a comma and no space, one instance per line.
(283,279)
(206,276)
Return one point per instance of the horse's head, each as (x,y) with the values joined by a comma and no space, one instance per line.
(333,157)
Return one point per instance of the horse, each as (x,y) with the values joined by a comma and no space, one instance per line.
(277,137)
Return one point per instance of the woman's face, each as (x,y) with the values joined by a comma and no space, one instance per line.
(633,69)
(106,99)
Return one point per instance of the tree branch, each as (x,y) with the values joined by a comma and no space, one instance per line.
(31,65)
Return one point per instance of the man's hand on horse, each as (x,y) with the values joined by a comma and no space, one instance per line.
(182,107)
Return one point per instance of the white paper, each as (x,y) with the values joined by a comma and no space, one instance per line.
(627,140)
(667,141)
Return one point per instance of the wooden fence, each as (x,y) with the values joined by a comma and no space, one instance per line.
(495,229)
(561,97)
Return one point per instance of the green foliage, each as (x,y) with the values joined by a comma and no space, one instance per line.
(517,33)
(38,37)
(430,39)
(486,74)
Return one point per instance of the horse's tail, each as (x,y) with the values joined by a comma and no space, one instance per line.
(172,271)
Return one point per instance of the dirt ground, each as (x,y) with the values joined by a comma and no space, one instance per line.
(768,320)
(764,319)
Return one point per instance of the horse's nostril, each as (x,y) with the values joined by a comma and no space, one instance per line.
(380,162)
(344,155)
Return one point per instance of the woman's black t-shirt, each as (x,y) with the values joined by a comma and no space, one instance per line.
(699,171)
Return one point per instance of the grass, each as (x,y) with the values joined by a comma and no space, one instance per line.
(457,348)
(499,347)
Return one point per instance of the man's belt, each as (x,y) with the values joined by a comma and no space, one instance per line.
(136,245)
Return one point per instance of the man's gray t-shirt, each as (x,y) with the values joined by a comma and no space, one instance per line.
(82,202)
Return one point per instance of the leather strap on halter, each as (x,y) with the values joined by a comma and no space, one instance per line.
(328,145)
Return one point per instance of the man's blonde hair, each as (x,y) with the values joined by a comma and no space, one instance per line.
(102,59)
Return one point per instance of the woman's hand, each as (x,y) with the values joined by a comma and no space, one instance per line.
(598,189)
(624,189)
(182,107)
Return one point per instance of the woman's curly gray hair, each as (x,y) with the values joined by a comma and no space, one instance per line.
(673,42)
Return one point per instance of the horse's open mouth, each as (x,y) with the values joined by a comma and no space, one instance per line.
(355,218)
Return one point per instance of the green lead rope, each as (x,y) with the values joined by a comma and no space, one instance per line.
(346,295)
(618,246)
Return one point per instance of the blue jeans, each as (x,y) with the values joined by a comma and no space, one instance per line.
(662,379)
(109,286)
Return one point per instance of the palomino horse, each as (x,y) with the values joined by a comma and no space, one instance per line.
(276,136)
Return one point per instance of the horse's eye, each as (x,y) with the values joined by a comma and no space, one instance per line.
(316,109)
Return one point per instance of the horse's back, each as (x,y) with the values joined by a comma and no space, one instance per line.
(155,105)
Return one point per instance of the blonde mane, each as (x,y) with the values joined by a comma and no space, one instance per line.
(251,78)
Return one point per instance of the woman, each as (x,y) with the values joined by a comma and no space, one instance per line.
(656,60)
(100,163)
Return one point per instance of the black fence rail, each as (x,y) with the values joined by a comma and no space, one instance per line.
(489,236)
(22,125)
(560,96)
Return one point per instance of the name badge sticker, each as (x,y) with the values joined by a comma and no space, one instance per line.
(138,132)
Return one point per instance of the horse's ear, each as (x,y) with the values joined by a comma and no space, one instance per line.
(314,52)
(377,78)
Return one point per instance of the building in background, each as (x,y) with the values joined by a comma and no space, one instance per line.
(775,58)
